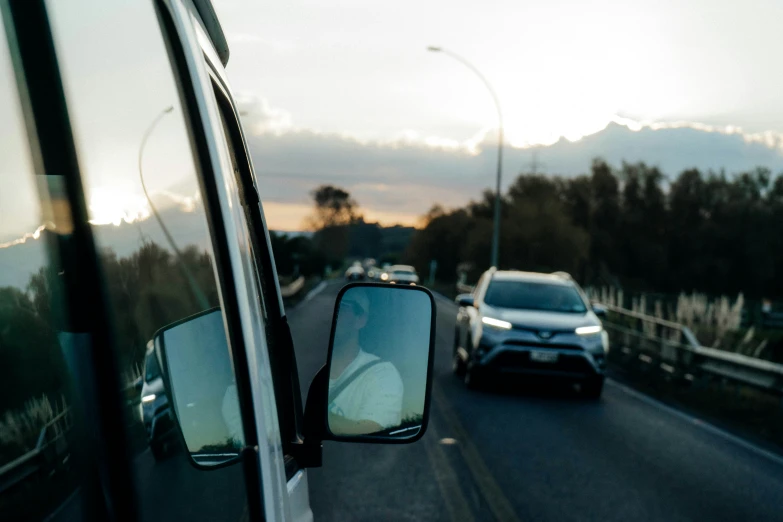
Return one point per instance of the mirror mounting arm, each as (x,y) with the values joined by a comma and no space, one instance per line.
(309,453)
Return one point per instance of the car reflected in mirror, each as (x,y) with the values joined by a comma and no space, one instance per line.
(200,384)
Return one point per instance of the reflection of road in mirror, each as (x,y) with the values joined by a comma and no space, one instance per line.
(365,392)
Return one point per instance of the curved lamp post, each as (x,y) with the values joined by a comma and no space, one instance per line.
(496,227)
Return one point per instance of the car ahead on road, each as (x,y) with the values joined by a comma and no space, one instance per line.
(190,267)
(156,414)
(530,324)
(355,273)
(402,274)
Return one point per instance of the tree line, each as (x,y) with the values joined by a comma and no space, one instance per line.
(630,227)
(337,231)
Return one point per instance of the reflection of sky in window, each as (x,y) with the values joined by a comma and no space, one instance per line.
(200,372)
(398,331)
(20,253)
(118,80)
(21,213)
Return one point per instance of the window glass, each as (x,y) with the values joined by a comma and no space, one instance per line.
(38,472)
(524,295)
(146,206)
(284,388)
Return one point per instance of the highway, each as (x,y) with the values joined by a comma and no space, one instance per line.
(521,454)
(509,455)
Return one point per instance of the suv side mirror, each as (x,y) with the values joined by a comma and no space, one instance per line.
(375,385)
(599,310)
(465,300)
(199,380)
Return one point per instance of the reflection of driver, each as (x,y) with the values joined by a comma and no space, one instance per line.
(365,394)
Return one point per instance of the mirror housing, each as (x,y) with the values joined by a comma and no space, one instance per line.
(199,384)
(376,383)
(465,300)
(599,310)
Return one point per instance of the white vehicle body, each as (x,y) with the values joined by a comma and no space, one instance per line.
(402,274)
(284,500)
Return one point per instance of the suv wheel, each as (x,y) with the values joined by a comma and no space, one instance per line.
(592,388)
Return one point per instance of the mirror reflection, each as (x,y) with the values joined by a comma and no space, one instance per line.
(203,387)
(378,362)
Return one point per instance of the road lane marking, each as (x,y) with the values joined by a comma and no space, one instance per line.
(777,459)
(448,483)
(314,292)
(498,503)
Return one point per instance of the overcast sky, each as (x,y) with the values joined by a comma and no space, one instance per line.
(345,92)
(560,68)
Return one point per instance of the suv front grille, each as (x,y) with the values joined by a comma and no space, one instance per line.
(544,346)
(566,363)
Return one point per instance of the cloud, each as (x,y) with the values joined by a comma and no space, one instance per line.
(401,179)
(260,117)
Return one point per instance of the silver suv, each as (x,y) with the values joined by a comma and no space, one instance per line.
(530,324)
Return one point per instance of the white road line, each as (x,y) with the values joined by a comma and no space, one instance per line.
(315,291)
(312,293)
(700,423)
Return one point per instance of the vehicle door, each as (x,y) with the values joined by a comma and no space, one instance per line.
(271,359)
(126,227)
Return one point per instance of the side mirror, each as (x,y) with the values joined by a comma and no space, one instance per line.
(599,310)
(199,382)
(375,386)
(465,300)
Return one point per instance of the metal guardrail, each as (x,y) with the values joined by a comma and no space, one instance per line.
(462,288)
(48,453)
(674,349)
(294,288)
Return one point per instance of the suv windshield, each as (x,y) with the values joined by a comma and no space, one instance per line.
(524,295)
(151,368)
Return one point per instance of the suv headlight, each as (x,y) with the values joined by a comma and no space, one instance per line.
(588,330)
(496,323)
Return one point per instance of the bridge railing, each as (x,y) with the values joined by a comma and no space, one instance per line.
(674,349)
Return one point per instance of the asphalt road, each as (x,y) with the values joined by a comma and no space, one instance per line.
(520,454)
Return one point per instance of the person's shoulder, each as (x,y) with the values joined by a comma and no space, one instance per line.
(367,357)
(385,371)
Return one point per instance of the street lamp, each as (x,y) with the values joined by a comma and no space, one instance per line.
(201,298)
(496,227)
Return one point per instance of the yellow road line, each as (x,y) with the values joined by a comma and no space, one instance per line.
(498,503)
(448,483)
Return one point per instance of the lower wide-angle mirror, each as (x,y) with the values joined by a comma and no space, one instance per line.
(200,384)
(379,363)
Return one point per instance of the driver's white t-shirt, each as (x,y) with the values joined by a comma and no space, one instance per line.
(374,395)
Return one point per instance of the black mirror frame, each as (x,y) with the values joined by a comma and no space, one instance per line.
(160,352)
(316,427)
